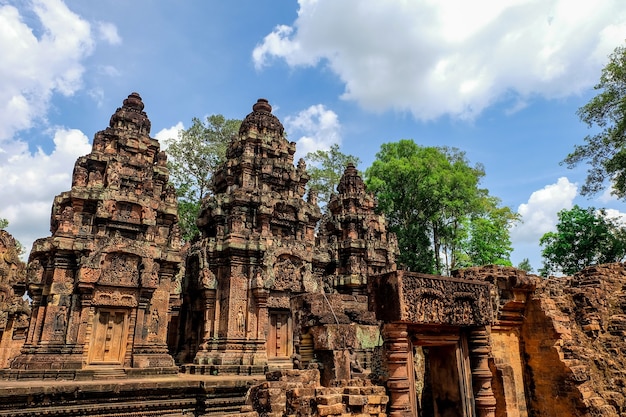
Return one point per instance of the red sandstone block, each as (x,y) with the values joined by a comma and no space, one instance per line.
(302,392)
(377,399)
(329,399)
(372,409)
(353,400)
(327,410)
(352,390)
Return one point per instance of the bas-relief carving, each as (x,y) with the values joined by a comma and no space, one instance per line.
(288,274)
(443,301)
(104,297)
(120,269)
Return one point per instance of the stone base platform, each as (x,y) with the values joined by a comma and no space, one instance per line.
(166,395)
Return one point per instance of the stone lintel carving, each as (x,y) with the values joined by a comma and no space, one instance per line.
(512,288)
(430,299)
(115,298)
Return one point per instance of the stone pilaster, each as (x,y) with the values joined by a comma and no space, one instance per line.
(397,350)
(481,374)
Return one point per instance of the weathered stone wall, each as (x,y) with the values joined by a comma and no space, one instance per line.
(558,344)
(299,393)
(14,310)
(574,337)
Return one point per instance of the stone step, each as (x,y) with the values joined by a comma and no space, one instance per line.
(109,373)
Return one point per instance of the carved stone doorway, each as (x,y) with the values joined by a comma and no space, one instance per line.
(109,336)
(441,379)
(280,336)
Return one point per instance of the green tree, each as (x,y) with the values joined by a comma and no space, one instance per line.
(193,158)
(326,170)
(583,237)
(605,151)
(488,241)
(525,265)
(3,223)
(432,200)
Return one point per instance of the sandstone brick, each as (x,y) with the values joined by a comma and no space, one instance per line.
(327,410)
(329,399)
(377,399)
(355,400)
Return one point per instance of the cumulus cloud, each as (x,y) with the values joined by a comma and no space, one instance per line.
(108,32)
(539,214)
(454,57)
(167,133)
(617,216)
(32,67)
(31,180)
(318,128)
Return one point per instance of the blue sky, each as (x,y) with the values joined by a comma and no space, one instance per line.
(500,80)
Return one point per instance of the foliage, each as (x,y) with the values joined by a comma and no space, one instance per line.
(3,223)
(327,169)
(193,158)
(525,265)
(432,201)
(489,241)
(583,237)
(605,151)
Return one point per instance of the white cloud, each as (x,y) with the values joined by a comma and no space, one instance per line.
(318,126)
(108,32)
(165,134)
(33,68)
(616,215)
(31,180)
(455,57)
(539,215)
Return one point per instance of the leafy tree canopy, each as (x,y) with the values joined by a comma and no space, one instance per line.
(605,151)
(326,170)
(193,158)
(432,200)
(525,265)
(3,223)
(583,237)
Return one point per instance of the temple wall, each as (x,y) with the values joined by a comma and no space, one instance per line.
(509,371)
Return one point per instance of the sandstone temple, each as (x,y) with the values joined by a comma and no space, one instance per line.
(280,309)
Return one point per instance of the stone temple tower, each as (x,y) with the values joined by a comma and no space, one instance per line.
(101,282)
(257,251)
(263,248)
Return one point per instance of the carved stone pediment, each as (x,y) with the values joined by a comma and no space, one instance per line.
(431,299)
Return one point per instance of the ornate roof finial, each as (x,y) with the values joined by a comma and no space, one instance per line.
(134,101)
(131,115)
(262,120)
(262,105)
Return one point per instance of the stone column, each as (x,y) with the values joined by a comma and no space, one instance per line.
(397,350)
(209,317)
(481,374)
(261,294)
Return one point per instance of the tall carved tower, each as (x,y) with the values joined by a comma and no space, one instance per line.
(257,251)
(356,235)
(101,283)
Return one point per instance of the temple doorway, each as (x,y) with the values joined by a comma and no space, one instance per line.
(441,380)
(280,336)
(108,342)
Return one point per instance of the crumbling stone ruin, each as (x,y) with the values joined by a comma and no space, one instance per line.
(278,309)
(14,309)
